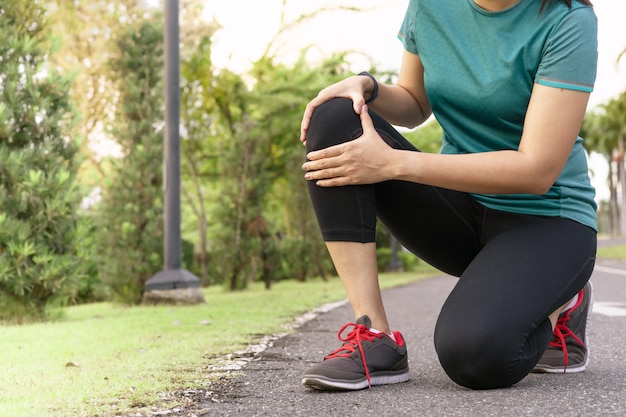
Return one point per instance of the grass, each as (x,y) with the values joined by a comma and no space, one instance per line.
(613,252)
(106,360)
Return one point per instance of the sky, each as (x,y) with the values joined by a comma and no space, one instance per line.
(249,25)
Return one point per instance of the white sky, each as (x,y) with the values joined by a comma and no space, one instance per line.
(249,25)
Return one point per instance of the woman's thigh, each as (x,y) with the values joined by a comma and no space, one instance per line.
(440,226)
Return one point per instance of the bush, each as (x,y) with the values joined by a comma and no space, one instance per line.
(40,265)
(408,260)
(130,214)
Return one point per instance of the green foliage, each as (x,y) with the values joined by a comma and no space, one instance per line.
(604,131)
(130,214)
(409,261)
(40,255)
(266,207)
(242,163)
(602,128)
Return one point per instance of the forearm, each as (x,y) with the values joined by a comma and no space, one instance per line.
(552,123)
(499,172)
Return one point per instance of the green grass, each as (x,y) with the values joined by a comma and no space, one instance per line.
(613,252)
(104,359)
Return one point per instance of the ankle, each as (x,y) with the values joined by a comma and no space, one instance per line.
(571,304)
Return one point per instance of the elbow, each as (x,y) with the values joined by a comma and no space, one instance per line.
(540,190)
(541,185)
(416,120)
(538,176)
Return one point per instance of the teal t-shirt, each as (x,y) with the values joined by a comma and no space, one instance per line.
(479,71)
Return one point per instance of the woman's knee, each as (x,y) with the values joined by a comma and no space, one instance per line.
(480,359)
(332,123)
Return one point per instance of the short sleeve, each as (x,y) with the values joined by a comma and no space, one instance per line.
(407,30)
(570,53)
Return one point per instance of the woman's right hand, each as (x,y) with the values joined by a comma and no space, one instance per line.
(354,88)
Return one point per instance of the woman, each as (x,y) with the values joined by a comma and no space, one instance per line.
(507,206)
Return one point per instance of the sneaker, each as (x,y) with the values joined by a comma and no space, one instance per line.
(568,351)
(365,359)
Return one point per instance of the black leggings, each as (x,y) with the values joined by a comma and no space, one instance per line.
(514,269)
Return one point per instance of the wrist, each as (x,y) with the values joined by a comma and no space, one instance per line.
(374,93)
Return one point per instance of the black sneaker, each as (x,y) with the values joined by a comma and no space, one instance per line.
(568,352)
(365,359)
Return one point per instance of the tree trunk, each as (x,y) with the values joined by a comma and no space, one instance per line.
(613,208)
(621,173)
(199,210)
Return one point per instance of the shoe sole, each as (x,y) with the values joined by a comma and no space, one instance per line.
(320,382)
(546,369)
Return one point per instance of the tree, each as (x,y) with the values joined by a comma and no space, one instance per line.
(240,151)
(604,131)
(615,122)
(199,170)
(40,258)
(131,210)
(85,31)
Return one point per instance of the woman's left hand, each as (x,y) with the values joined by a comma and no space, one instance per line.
(365,160)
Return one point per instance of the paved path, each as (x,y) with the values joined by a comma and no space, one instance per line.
(270,384)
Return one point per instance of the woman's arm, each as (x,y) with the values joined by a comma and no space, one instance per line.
(552,123)
(404,104)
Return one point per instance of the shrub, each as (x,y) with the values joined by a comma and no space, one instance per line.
(39,260)
(130,214)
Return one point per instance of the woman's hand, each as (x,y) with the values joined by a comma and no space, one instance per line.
(355,88)
(365,160)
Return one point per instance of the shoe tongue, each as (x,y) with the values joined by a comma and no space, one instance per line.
(365,321)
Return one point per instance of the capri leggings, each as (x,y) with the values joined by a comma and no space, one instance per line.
(514,269)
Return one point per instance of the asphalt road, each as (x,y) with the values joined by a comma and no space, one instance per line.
(270,383)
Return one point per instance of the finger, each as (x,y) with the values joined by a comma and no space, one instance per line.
(323,174)
(324,180)
(333,182)
(329,152)
(304,125)
(366,120)
(357,103)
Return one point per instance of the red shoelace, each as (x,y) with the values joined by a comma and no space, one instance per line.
(561,331)
(352,341)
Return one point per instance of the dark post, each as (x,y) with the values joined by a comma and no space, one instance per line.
(395,265)
(173,276)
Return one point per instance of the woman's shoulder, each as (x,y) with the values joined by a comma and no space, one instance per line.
(577,10)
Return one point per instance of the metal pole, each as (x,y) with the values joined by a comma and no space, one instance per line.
(172,277)
(171,173)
